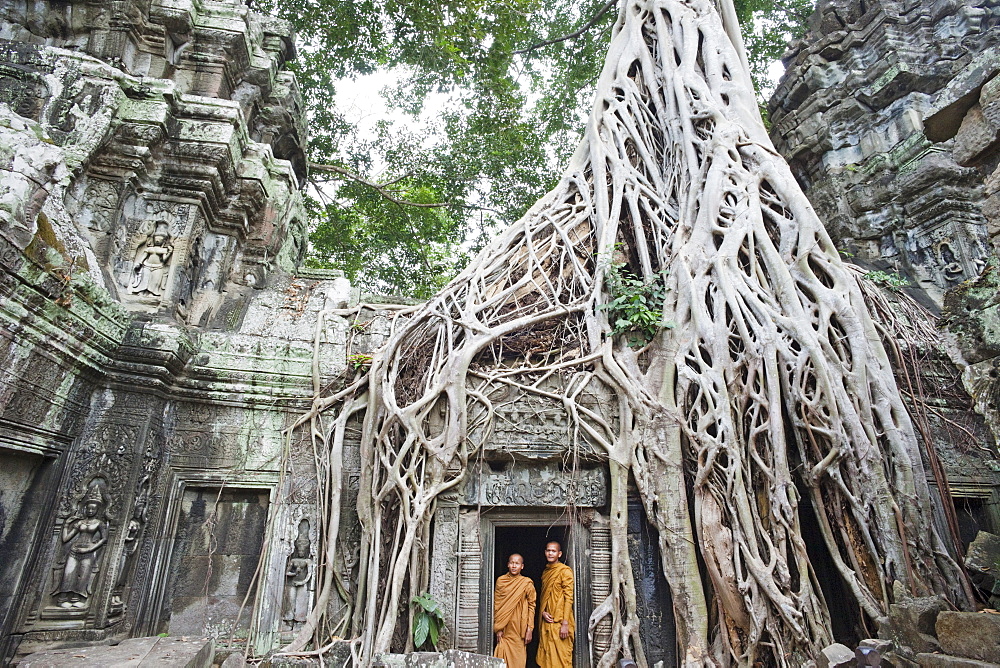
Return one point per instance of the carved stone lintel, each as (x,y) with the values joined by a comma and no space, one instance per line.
(539,486)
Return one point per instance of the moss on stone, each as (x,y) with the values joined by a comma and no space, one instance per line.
(972,313)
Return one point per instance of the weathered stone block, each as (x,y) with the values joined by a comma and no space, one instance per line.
(975,136)
(982,558)
(911,624)
(971,634)
(989,100)
(944,661)
(872,651)
(234,660)
(837,655)
(172,652)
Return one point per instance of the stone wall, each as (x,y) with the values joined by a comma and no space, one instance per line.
(156,340)
(968,118)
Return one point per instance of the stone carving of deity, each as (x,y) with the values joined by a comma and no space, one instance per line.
(83,536)
(151,262)
(297,574)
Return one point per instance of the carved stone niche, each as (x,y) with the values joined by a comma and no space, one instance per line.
(942,253)
(519,509)
(150,253)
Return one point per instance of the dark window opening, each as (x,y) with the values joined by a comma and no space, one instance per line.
(972,518)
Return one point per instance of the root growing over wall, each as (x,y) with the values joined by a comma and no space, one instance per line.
(765,377)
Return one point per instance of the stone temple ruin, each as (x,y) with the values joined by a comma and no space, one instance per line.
(160,334)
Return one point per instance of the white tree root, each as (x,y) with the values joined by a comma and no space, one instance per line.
(769,380)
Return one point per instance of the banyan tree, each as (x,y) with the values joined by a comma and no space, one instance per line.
(678,268)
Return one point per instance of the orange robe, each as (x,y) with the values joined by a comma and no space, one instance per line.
(513,613)
(557,600)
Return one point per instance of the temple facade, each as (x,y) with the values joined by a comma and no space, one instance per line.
(160,335)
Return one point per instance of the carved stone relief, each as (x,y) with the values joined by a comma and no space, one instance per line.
(941,254)
(150,250)
(84,535)
(23,91)
(542,485)
(526,427)
(98,206)
(470,563)
(600,579)
(444,563)
(298,577)
(151,262)
(204,435)
(133,533)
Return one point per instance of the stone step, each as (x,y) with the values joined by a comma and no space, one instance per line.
(170,652)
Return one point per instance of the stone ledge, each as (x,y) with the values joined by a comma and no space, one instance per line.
(175,652)
(946,661)
(451,658)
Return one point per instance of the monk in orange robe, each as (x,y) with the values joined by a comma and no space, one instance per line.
(557,626)
(513,613)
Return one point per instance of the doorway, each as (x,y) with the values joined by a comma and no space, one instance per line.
(217,548)
(529,542)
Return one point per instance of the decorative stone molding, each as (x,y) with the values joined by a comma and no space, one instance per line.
(849,117)
(539,486)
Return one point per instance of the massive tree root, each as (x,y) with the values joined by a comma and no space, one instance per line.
(765,381)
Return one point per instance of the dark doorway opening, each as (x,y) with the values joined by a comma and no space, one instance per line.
(845,614)
(529,542)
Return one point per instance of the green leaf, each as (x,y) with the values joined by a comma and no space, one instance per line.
(433,628)
(426,601)
(421,626)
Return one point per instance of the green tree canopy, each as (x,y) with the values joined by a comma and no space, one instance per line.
(400,210)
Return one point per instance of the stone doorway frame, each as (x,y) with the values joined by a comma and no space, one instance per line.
(588,549)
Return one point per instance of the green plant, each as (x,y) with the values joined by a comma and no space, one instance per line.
(427,620)
(636,306)
(359,361)
(887,279)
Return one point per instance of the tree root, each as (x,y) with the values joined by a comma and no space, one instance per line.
(769,383)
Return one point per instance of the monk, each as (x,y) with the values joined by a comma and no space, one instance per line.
(557,626)
(513,613)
